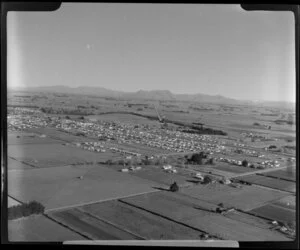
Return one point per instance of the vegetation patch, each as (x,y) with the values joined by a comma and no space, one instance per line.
(25,210)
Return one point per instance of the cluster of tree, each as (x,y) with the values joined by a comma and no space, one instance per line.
(22,106)
(50,110)
(81,107)
(265,114)
(198,158)
(174,187)
(205,131)
(25,210)
(146,161)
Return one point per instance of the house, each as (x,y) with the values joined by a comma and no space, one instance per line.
(166,167)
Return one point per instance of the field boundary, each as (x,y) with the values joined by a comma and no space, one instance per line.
(66,226)
(274,177)
(110,223)
(99,201)
(168,218)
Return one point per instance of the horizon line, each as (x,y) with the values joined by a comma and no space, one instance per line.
(212,95)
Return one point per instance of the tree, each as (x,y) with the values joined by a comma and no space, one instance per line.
(210,161)
(25,209)
(221,205)
(245,163)
(174,187)
(197,158)
(207,179)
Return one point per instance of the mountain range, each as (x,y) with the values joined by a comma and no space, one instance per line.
(164,95)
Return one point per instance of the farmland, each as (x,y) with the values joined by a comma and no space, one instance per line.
(83,169)
(286,202)
(53,155)
(161,177)
(274,212)
(91,227)
(288,174)
(245,198)
(12,202)
(55,187)
(39,229)
(13,164)
(139,222)
(214,224)
(270,182)
(18,138)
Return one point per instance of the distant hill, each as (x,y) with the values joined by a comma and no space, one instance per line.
(164,95)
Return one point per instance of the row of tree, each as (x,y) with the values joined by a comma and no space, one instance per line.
(25,210)
(199,159)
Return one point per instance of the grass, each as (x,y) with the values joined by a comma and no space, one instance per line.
(140,222)
(270,182)
(286,202)
(274,212)
(54,155)
(282,174)
(61,187)
(90,226)
(38,228)
(18,138)
(215,224)
(246,198)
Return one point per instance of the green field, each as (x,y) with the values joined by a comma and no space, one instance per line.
(124,118)
(61,187)
(17,138)
(54,155)
(139,222)
(13,164)
(286,202)
(215,224)
(270,182)
(245,198)
(284,174)
(158,175)
(274,212)
(90,226)
(39,229)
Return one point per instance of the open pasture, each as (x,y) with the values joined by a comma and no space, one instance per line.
(140,222)
(17,138)
(16,165)
(245,198)
(123,118)
(60,135)
(12,202)
(232,168)
(139,148)
(90,226)
(161,177)
(249,219)
(201,219)
(284,174)
(283,185)
(53,155)
(39,228)
(274,212)
(286,202)
(62,187)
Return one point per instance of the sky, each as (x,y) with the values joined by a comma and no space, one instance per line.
(184,48)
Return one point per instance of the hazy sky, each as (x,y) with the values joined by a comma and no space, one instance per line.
(210,49)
